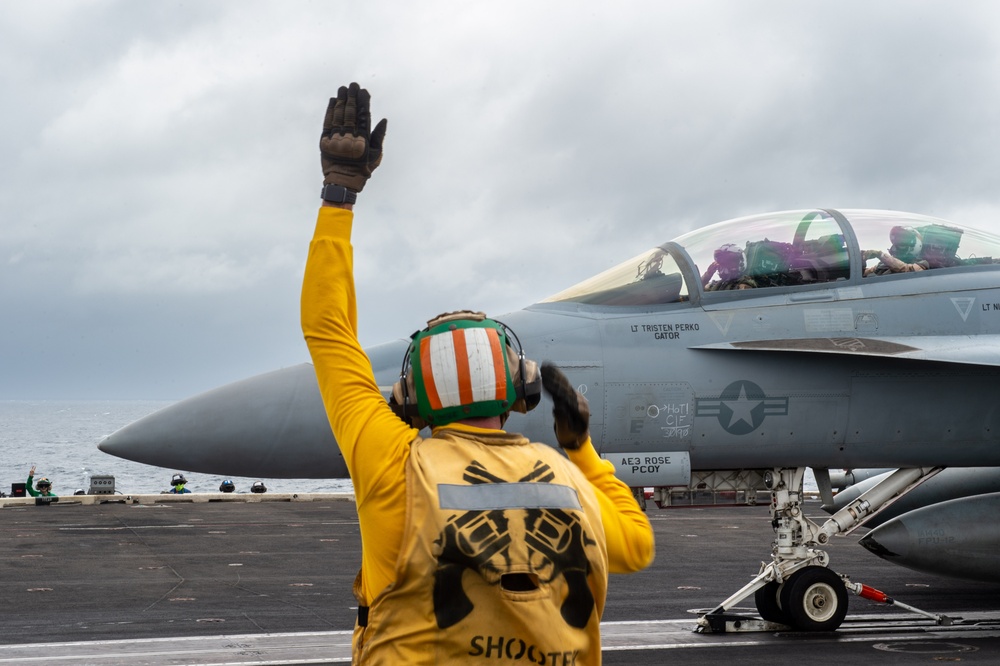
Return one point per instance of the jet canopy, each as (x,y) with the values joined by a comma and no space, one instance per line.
(788,249)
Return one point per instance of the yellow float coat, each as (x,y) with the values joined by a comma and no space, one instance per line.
(376,444)
(502,558)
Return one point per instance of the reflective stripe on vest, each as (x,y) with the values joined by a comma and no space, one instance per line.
(489,496)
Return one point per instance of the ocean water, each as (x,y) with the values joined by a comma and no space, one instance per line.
(60,438)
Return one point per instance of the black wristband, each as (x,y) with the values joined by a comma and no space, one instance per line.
(338,194)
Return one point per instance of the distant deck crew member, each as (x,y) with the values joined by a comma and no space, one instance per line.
(40,488)
(177,483)
(478,546)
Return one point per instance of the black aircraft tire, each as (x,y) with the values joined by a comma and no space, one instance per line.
(766,599)
(815,599)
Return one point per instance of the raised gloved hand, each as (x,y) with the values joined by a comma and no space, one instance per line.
(349,149)
(569,408)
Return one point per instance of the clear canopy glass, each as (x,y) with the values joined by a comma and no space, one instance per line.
(786,249)
(929,242)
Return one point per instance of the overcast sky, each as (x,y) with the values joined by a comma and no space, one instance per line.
(159,169)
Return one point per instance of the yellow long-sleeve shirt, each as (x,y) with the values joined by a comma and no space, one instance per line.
(375,443)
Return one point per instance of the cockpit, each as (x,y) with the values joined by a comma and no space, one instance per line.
(789,249)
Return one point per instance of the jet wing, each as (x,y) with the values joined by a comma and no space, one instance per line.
(964,349)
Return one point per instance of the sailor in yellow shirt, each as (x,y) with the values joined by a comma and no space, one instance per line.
(478,546)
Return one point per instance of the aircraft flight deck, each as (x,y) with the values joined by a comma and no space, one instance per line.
(183,580)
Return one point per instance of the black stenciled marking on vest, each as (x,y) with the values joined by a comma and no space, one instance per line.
(558,536)
(542,473)
(469,541)
(481,540)
(476,473)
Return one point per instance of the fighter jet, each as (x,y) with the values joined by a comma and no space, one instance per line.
(764,344)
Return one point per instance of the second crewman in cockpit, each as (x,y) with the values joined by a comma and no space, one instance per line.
(903,256)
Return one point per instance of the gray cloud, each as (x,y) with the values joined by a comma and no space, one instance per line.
(159,176)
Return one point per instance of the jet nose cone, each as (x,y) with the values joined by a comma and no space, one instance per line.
(246,428)
(136,441)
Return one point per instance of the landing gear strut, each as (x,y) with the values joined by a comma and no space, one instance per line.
(795,588)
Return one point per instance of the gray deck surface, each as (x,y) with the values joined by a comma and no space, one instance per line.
(270,583)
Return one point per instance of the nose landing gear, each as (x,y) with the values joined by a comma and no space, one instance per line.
(815,599)
(796,589)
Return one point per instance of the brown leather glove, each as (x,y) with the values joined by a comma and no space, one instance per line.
(349,149)
(569,408)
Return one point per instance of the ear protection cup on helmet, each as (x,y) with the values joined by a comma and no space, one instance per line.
(399,399)
(528,383)
(455,369)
